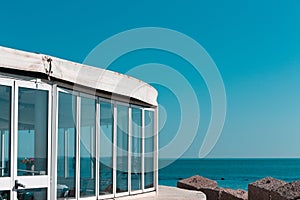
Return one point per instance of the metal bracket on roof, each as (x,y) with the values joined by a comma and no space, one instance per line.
(49,69)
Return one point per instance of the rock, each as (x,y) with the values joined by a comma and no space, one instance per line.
(289,191)
(211,193)
(210,189)
(229,194)
(196,183)
(222,179)
(262,188)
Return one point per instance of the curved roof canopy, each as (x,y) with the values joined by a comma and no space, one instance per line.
(91,77)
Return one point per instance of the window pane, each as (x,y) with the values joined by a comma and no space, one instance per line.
(106,149)
(66,151)
(122,148)
(40,194)
(149,149)
(5,121)
(136,149)
(87,147)
(32,132)
(5,195)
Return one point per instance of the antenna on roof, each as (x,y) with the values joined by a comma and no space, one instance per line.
(49,61)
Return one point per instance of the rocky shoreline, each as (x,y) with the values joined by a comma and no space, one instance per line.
(264,189)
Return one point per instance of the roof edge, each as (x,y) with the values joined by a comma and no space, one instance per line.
(88,76)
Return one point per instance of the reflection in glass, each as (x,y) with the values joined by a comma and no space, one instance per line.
(87,147)
(66,147)
(4,195)
(136,149)
(5,129)
(32,132)
(32,194)
(149,149)
(106,149)
(122,148)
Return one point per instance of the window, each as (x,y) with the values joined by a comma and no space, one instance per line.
(5,129)
(122,149)
(32,132)
(87,147)
(106,149)
(66,158)
(149,149)
(136,149)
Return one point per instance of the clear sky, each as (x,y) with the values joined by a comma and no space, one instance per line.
(255,45)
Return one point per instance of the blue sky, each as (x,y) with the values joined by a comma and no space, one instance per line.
(255,45)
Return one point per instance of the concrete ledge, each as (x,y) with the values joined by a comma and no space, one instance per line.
(168,193)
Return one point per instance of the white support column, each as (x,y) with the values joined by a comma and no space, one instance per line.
(14,138)
(97,143)
(156,149)
(143,149)
(78,111)
(53,164)
(115,150)
(129,148)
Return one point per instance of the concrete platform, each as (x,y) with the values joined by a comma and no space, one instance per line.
(168,193)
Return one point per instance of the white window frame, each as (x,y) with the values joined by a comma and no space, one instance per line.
(121,194)
(7,183)
(78,113)
(114,104)
(107,196)
(55,141)
(142,154)
(155,156)
(40,181)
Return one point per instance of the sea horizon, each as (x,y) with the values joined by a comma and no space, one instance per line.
(235,173)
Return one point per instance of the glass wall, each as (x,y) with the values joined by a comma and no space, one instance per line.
(87,147)
(106,148)
(122,148)
(149,150)
(114,121)
(86,153)
(32,132)
(5,129)
(136,149)
(66,147)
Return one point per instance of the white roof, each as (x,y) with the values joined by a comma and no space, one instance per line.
(91,77)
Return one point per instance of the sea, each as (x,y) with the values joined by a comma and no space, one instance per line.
(229,173)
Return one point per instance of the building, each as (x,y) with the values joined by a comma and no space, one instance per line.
(71,131)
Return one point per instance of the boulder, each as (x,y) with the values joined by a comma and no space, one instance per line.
(289,191)
(229,194)
(262,188)
(211,193)
(196,183)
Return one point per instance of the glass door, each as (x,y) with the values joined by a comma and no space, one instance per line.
(122,137)
(31,153)
(149,150)
(66,145)
(136,150)
(105,141)
(6,97)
